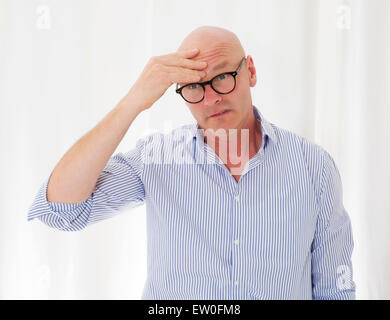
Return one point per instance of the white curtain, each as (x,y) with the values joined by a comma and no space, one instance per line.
(323,72)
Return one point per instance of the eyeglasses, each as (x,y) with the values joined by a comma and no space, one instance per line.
(223,83)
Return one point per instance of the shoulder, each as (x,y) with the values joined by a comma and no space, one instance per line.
(179,135)
(165,147)
(300,146)
(308,156)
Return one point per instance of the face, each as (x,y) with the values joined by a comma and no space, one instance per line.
(238,102)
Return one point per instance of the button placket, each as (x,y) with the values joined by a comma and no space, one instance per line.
(236,209)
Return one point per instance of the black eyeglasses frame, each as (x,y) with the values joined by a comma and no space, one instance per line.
(203,84)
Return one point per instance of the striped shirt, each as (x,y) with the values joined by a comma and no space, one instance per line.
(280,232)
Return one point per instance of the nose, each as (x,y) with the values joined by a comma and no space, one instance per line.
(210,96)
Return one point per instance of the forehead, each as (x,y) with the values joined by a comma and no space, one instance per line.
(216,68)
(219,66)
(216,56)
(223,64)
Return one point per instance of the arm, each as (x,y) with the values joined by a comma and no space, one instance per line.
(85,186)
(333,242)
(119,185)
(74,177)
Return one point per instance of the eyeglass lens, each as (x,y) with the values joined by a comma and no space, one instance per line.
(194,92)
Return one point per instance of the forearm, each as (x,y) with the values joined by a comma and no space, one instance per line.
(74,177)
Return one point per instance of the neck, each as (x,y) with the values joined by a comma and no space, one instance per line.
(245,142)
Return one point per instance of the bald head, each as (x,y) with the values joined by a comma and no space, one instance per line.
(223,52)
(213,41)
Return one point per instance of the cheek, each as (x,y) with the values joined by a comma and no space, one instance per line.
(197,108)
(236,95)
(242,90)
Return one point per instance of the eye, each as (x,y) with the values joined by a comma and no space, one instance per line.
(221,77)
(193,86)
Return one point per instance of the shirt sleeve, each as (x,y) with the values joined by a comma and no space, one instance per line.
(119,186)
(333,242)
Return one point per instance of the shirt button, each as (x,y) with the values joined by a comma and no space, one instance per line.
(236,241)
(236,283)
(236,198)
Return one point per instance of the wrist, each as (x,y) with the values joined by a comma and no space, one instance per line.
(132,102)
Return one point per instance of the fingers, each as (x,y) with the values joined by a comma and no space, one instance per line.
(191,64)
(183,59)
(188,53)
(181,67)
(183,75)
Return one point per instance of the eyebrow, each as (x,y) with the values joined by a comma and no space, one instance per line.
(221,65)
(218,66)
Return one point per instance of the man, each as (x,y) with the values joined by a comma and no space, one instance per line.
(269,224)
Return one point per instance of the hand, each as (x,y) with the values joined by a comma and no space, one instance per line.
(163,71)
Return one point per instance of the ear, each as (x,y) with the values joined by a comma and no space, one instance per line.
(251,71)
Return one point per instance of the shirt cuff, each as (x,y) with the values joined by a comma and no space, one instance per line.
(66,211)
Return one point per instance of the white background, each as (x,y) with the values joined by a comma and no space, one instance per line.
(323,72)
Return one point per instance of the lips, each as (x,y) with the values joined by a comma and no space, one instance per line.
(219,113)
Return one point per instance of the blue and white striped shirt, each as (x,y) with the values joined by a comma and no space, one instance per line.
(280,232)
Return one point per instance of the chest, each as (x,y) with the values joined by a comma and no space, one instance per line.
(200,204)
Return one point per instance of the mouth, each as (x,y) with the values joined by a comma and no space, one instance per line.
(220,114)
